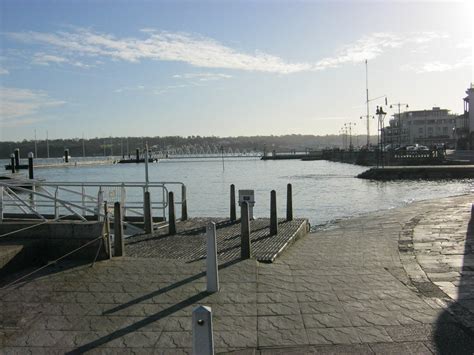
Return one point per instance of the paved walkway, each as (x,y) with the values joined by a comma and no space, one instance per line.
(384,283)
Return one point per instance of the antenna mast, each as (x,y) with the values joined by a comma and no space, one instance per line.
(367,102)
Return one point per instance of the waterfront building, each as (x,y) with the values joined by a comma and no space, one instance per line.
(465,123)
(426,127)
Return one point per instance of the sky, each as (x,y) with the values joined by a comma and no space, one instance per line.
(225,68)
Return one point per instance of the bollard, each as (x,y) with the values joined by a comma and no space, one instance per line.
(30,165)
(66,155)
(17,159)
(245,245)
(203,340)
(289,203)
(233,216)
(212,272)
(273,214)
(147,217)
(171,214)
(184,204)
(137,152)
(119,248)
(12,163)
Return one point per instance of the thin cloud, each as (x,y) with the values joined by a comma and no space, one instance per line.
(4,71)
(204,52)
(130,88)
(203,76)
(20,104)
(438,67)
(46,59)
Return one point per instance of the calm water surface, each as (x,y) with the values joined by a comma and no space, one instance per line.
(322,191)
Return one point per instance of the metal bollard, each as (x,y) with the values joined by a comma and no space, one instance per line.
(12,163)
(171,214)
(233,216)
(184,204)
(212,271)
(147,216)
(119,247)
(273,214)
(289,202)
(66,155)
(203,339)
(245,245)
(30,165)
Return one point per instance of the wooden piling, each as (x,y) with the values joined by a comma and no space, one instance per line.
(12,163)
(66,155)
(289,202)
(17,158)
(119,247)
(30,165)
(171,214)
(184,204)
(137,157)
(233,216)
(273,214)
(147,215)
(245,245)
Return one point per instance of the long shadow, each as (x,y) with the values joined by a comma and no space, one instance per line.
(166,289)
(455,337)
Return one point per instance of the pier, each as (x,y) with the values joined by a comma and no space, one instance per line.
(435,172)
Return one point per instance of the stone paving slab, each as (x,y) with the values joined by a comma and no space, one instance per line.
(346,290)
(189,243)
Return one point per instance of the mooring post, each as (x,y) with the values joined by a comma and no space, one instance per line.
(212,272)
(147,216)
(273,214)
(30,165)
(17,158)
(12,163)
(137,158)
(66,155)
(119,247)
(245,246)
(107,230)
(184,204)
(233,216)
(171,214)
(203,340)
(289,203)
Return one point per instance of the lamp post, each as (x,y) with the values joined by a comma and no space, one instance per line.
(399,121)
(381,117)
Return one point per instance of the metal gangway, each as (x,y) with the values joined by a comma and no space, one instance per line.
(88,200)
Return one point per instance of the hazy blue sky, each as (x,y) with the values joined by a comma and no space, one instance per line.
(113,68)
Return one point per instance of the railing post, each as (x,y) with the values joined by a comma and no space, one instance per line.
(107,230)
(56,207)
(212,272)
(119,248)
(100,199)
(233,216)
(147,216)
(83,198)
(245,245)
(1,204)
(12,163)
(171,214)
(30,166)
(123,197)
(203,340)
(273,214)
(184,204)
(289,202)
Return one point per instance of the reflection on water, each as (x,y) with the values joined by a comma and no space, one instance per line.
(322,191)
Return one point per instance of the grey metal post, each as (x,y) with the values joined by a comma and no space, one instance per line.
(289,202)
(12,163)
(66,155)
(203,340)
(147,216)
(100,199)
(212,272)
(233,216)
(184,204)
(171,214)
(245,245)
(17,158)
(119,248)
(30,165)
(273,214)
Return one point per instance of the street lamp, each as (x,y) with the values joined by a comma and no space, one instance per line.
(381,117)
(399,121)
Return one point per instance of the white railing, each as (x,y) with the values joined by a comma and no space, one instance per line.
(86,199)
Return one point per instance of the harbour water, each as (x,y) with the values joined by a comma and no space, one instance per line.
(322,191)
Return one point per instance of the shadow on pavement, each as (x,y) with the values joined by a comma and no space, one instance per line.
(455,337)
